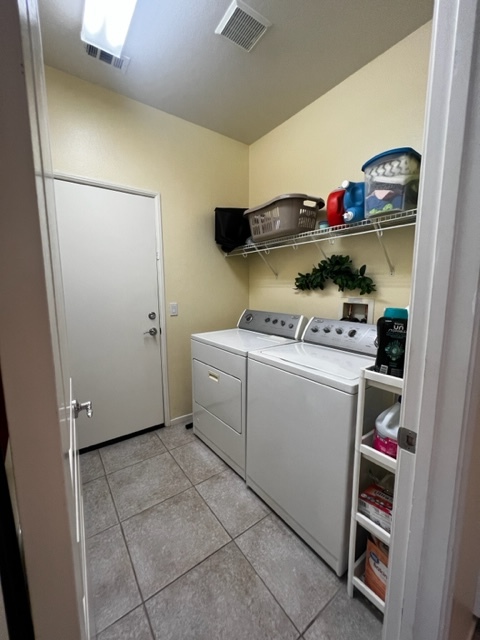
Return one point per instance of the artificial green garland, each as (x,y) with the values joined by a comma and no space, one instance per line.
(340,270)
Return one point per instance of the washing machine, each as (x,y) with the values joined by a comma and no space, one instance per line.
(302,402)
(219,375)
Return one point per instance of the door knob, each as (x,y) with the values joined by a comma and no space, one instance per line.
(82,406)
(152,332)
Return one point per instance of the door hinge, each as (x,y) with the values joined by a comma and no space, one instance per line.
(158,255)
(407,440)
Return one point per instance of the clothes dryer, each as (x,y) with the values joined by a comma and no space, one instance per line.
(219,374)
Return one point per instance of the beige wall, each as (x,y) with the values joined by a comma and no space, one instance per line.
(101,135)
(379,107)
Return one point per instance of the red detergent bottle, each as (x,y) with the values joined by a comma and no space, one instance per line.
(335,208)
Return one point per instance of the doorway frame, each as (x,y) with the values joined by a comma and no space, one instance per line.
(442,387)
(104,184)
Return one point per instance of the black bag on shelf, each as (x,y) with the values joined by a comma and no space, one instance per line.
(231,228)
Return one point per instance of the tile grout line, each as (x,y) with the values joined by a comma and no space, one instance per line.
(232,540)
(323,562)
(101,460)
(132,566)
(195,565)
(175,495)
(188,570)
(147,617)
(127,466)
(211,511)
(107,473)
(102,531)
(200,561)
(125,541)
(142,600)
(101,463)
(194,439)
(265,585)
(139,606)
(252,525)
(156,503)
(129,557)
(310,624)
(106,476)
(119,524)
(216,473)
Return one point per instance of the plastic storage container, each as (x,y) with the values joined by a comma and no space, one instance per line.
(391,181)
(284,216)
(392,337)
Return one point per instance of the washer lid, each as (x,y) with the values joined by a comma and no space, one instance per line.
(240,341)
(333,367)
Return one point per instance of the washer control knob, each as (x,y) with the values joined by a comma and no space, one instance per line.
(326,329)
(282,322)
(267,319)
(314,329)
(290,326)
(249,317)
(352,332)
(274,321)
(339,331)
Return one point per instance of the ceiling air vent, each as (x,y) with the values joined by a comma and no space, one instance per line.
(242,25)
(118,63)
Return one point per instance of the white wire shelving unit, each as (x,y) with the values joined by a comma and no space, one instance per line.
(376,224)
(364,451)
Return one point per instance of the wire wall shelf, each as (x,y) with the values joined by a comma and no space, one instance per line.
(376,224)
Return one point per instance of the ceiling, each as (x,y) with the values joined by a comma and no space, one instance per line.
(179,65)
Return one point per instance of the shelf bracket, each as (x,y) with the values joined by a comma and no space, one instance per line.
(259,253)
(379,233)
(321,250)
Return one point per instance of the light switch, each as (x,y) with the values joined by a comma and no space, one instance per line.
(173,308)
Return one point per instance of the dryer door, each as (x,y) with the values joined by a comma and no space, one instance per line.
(219,393)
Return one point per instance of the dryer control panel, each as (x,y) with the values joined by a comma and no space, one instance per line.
(356,337)
(272,323)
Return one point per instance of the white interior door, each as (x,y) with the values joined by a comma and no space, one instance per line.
(33,349)
(108,247)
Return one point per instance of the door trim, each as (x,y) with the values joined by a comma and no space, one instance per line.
(67,177)
(442,390)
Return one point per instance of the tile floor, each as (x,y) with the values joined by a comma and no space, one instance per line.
(179,549)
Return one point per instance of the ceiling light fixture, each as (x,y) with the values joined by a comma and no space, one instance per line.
(106,23)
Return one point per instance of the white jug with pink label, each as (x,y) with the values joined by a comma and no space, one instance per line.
(386,430)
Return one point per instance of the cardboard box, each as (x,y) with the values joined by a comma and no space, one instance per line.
(375,503)
(376,568)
